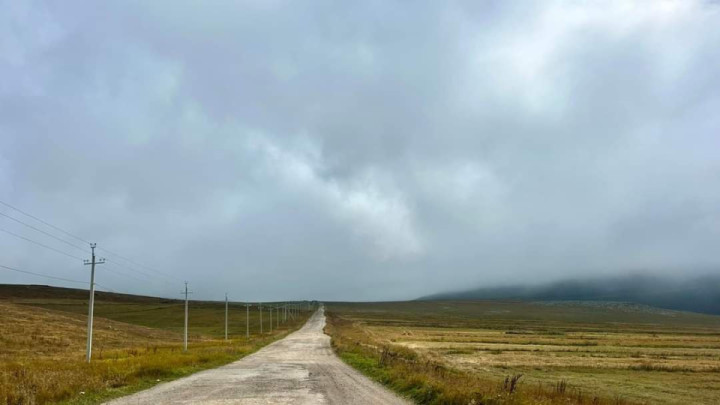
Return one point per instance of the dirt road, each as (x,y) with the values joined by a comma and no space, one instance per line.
(300,369)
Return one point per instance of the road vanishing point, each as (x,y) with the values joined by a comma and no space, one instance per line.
(299,369)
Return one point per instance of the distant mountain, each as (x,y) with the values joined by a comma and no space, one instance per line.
(701,294)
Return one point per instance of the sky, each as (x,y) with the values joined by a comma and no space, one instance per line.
(375,150)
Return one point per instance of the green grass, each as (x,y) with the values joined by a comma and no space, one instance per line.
(206,319)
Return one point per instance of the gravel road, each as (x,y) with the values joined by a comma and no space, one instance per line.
(299,369)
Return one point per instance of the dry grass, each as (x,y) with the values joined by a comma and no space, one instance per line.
(31,332)
(606,354)
(428,381)
(682,351)
(42,350)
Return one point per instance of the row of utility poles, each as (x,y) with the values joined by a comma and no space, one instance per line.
(282,311)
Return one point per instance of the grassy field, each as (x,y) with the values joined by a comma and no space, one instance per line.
(570,352)
(137,343)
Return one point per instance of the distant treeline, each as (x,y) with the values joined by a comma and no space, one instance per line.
(699,294)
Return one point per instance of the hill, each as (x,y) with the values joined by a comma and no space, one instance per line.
(37,292)
(701,294)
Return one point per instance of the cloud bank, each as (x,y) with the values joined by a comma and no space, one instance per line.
(281,150)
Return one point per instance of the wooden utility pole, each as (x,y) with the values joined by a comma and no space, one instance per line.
(91,304)
(226,315)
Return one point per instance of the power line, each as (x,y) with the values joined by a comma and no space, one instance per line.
(114,263)
(107,288)
(138,264)
(71,281)
(55,278)
(40,244)
(68,254)
(76,237)
(42,275)
(133,269)
(44,222)
(46,233)
(123,273)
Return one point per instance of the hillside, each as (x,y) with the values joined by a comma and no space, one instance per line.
(19,292)
(700,294)
(39,331)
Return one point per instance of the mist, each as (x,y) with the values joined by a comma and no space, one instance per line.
(696,294)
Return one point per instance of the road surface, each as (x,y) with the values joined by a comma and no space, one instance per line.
(299,369)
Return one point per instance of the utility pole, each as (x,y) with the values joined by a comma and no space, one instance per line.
(91,304)
(185,336)
(226,315)
(260,309)
(247,321)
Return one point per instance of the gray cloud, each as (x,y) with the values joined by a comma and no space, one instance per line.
(371,151)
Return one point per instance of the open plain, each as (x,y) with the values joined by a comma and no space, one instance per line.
(431,352)
(558,352)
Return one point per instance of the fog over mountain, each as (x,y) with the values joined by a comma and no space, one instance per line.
(359,150)
(698,294)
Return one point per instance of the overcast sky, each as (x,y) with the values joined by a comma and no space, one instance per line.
(359,150)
